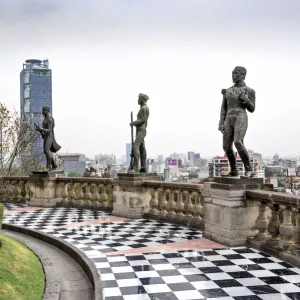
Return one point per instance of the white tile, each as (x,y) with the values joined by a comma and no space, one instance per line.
(231,268)
(225,252)
(286,288)
(109,276)
(108,292)
(174,279)
(215,257)
(146,274)
(157,288)
(273,297)
(161,267)
(101,265)
(262,273)
(122,269)
(250,281)
(139,262)
(189,271)
(238,291)
(203,285)
(242,261)
(129,282)
(218,276)
(223,298)
(251,255)
(112,258)
(272,266)
(188,295)
(203,264)
(121,248)
(137,297)
(178,260)
(292,278)
(296,270)
(275,259)
(154,256)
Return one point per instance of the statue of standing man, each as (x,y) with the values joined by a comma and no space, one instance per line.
(47,133)
(234,120)
(138,148)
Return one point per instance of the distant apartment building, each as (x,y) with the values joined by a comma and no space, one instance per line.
(72,162)
(35,92)
(220,166)
(191,156)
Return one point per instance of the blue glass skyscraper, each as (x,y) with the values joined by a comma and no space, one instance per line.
(35,92)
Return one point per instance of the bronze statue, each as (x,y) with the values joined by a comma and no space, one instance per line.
(138,146)
(47,133)
(234,120)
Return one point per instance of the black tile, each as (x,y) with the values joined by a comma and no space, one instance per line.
(293,296)
(183,265)
(99,259)
(234,256)
(119,264)
(210,270)
(262,260)
(250,297)
(241,275)
(273,280)
(181,286)
(196,258)
(226,283)
(158,261)
(283,272)
(213,293)
(207,253)
(137,246)
(128,275)
(252,267)
(163,296)
(222,263)
(262,289)
(286,265)
(171,255)
(132,290)
(152,280)
(168,273)
(245,250)
(109,283)
(197,277)
(142,268)
(105,270)
(135,257)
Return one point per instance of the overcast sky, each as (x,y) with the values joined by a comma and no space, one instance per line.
(180,53)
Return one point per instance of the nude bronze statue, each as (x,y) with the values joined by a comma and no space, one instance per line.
(138,147)
(47,132)
(234,120)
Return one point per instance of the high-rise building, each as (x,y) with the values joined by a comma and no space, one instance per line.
(196,156)
(191,156)
(35,92)
(128,153)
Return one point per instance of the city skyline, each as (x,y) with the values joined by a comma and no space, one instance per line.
(179,53)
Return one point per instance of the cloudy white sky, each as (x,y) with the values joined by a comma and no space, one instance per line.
(179,52)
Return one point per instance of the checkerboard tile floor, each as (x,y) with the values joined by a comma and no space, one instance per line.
(11,206)
(215,274)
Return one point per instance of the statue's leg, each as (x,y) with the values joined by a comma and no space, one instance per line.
(136,152)
(241,126)
(228,136)
(47,152)
(143,154)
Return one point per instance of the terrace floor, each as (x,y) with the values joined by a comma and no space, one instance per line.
(149,260)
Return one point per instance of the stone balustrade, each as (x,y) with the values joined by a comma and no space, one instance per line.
(85,192)
(180,203)
(277,224)
(14,189)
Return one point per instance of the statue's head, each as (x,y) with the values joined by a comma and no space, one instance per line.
(45,110)
(238,74)
(143,98)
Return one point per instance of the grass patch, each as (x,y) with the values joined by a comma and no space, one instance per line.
(21,273)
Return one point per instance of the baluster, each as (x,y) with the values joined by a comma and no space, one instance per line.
(154,202)
(286,229)
(64,194)
(87,195)
(72,195)
(296,235)
(188,207)
(58,192)
(95,195)
(109,192)
(273,227)
(104,196)
(10,191)
(23,191)
(80,195)
(163,203)
(16,191)
(171,205)
(261,223)
(197,209)
(179,207)
(2,191)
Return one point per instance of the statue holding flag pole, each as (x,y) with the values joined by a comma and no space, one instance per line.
(138,150)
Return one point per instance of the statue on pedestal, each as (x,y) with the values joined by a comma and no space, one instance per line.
(47,132)
(138,146)
(234,120)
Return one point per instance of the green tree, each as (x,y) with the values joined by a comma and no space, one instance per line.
(74,174)
(193,175)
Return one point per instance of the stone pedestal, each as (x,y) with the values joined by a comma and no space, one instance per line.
(131,200)
(229,217)
(42,188)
